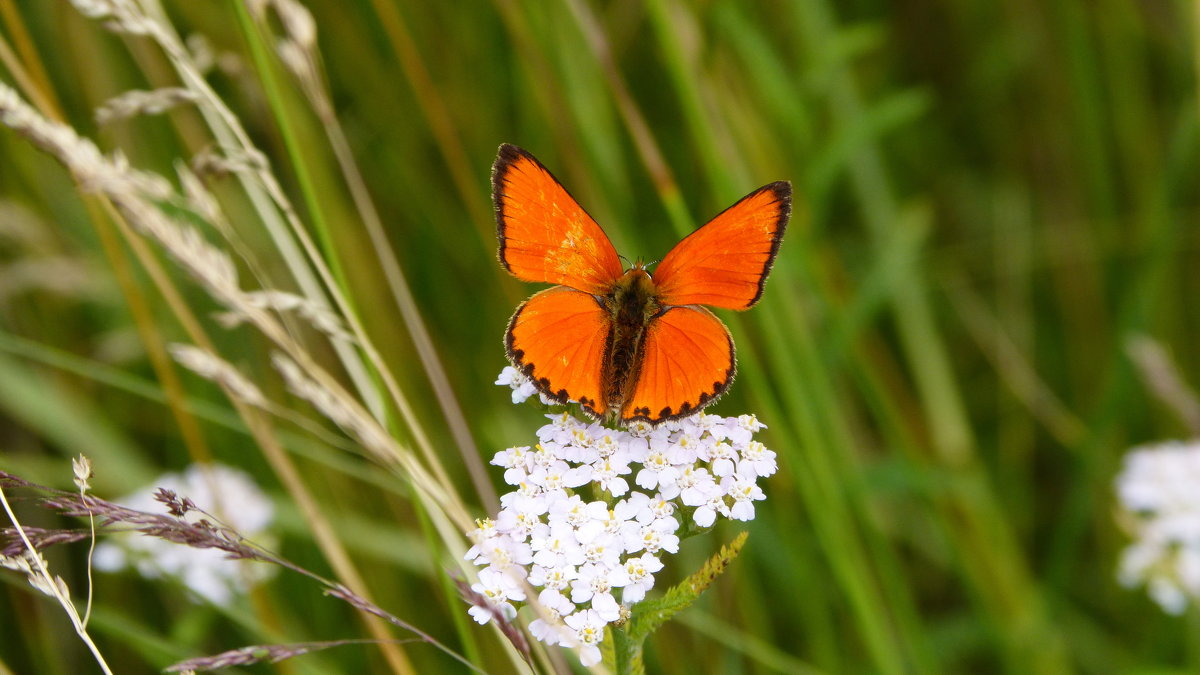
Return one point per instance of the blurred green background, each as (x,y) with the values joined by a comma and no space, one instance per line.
(991,200)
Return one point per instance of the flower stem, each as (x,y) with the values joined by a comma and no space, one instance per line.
(628,653)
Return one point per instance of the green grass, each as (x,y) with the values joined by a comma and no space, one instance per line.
(991,200)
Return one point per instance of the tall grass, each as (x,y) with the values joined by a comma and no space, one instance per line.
(992,200)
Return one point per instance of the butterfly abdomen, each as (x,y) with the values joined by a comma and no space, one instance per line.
(632,303)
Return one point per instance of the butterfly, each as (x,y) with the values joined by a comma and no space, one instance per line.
(626,344)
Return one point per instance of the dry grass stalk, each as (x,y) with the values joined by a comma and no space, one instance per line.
(208,162)
(212,367)
(319,316)
(23,555)
(1162,377)
(246,656)
(119,16)
(139,102)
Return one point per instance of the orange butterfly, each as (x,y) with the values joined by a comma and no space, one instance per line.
(621,342)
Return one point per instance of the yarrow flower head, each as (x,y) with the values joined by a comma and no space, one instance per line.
(1159,492)
(227,494)
(592,559)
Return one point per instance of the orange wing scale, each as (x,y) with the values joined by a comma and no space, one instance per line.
(725,262)
(544,234)
(558,338)
(687,362)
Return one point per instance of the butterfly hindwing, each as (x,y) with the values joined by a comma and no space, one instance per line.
(544,234)
(725,263)
(558,338)
(687,362)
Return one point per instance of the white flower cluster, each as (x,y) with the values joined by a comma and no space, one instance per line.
(228,494)
(1159,489)
(580,552)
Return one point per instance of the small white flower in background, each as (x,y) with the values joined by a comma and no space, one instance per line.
(229,495)
(1159,492)
(584,555)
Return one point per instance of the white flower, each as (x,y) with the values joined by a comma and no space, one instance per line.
(685,450)
(606,443)
(636,577)
(481,535)
(713,424)
(744,428)
(695,486)
(1159,489)
(658,470)
(528,496)
(661,507)
(640,429)
(229,495)
(557,576)
(744,492)
(720,457)
(603,548)
(516,461)
(594,584)
(607,474)
(655,536)
(637,507)
(558,475)
(501,553)
(706,514)
(574,511)
(558,547)
(757,460)
(551,629)
(498,589)
(522,386)
(589,632)
(520,523)
(560,430)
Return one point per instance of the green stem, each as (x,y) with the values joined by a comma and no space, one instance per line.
(627,653)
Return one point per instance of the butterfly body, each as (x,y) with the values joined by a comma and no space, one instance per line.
(632,304)
(623,343)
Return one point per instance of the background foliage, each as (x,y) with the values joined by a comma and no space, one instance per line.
(992,199)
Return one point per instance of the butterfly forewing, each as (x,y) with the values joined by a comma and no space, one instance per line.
(687,362)
(725,263)
(544,234)
(558,338)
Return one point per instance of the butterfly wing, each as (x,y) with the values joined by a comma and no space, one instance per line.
(725,263)
(558,338)
(687,362)
(544,234)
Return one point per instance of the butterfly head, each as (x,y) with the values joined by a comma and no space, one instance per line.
(635,282)
(639,264)
(634,297)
